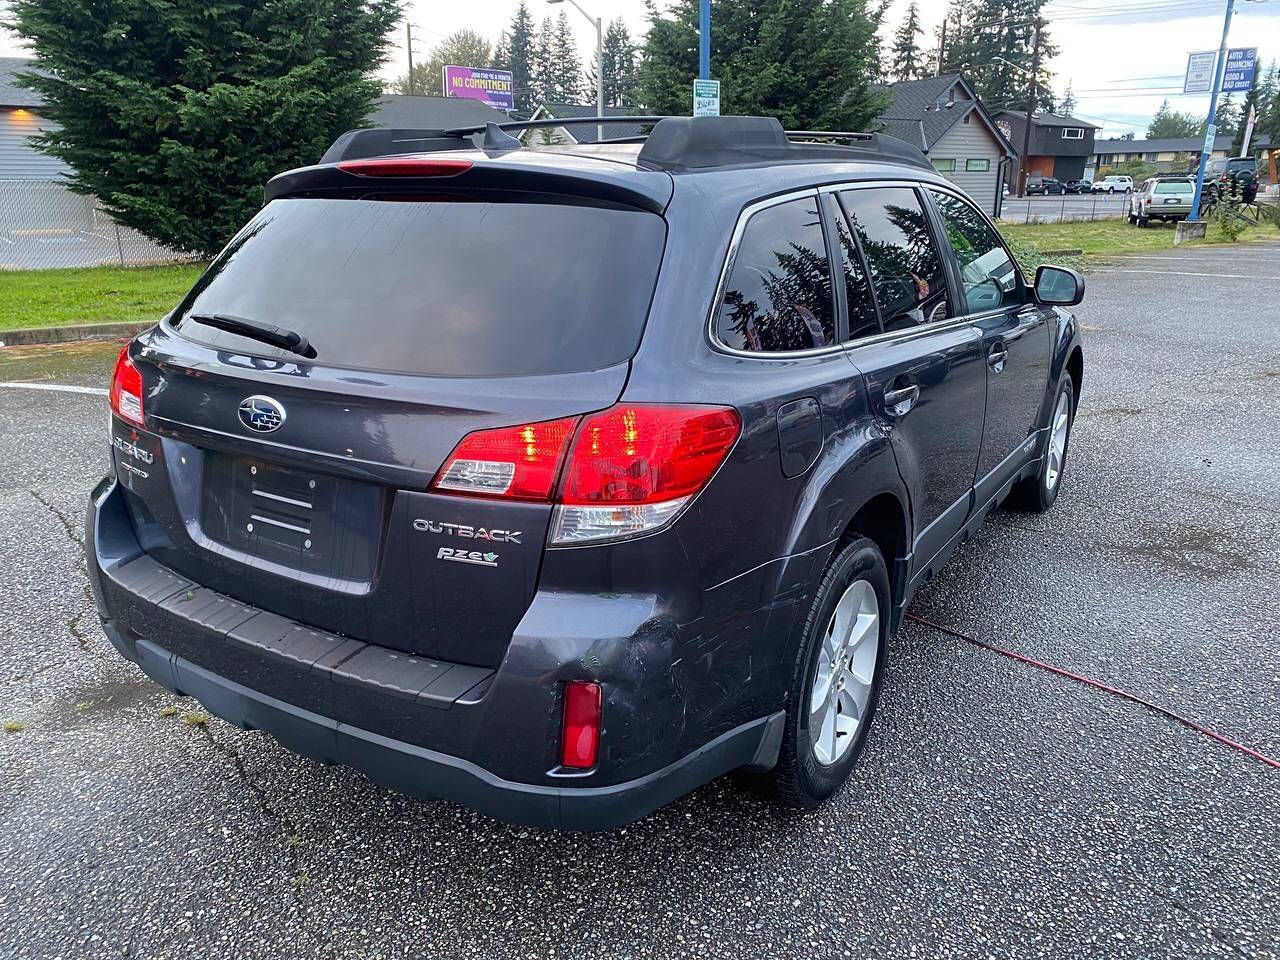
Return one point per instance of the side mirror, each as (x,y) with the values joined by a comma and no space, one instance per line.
(1060,286)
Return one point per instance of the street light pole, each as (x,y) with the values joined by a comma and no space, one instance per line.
(598,23)
(1210,130)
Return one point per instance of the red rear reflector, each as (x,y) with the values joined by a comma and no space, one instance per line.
(126,389)
(580,738)
(517,463)
(405,167)
(647,454)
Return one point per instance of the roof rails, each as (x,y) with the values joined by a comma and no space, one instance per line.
(674,143)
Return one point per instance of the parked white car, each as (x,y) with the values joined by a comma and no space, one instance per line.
(1113,184)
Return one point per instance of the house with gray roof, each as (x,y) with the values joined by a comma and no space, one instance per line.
(1060,146)
(20,120)
(944,117)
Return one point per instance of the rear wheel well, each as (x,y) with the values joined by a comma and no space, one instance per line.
(883,521)
(1075,367)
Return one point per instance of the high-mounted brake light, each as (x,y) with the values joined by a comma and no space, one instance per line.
(630,470)
(580,735)
(406,167)
(516,463)
(126,389)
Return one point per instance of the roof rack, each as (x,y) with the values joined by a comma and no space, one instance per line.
(673,144)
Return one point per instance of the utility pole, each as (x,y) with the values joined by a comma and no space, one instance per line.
(1206,148)
(408,47)
(704,39)
(942,49)
(1031,107)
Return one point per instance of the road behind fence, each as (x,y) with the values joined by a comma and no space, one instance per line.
(43,225)
(1087,206)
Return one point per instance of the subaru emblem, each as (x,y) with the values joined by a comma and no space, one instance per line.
(261,414)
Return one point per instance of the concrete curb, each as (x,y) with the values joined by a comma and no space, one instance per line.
(28,336)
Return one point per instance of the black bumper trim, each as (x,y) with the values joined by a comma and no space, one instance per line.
(429,773)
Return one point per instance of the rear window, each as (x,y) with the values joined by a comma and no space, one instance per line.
(449,288)
(1173,186)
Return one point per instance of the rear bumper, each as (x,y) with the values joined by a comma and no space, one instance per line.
(317,698)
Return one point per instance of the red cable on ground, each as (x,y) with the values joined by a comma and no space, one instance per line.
(1099,685)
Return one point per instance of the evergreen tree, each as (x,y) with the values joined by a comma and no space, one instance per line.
(1068,104)
(810,63)
(175,114)
(907,58)
(1226,116)
(1168,124)
(993,47)
(1269,113)
(619,66)
(555,70)
(515,52)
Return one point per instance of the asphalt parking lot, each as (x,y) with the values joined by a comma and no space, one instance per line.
(997,811)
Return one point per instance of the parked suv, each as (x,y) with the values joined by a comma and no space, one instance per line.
(561,482)
(1113,184)
(1228,176)
(1044,185)
(1161,198)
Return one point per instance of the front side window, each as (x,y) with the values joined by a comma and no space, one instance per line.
(990,280)
(906,269)
(778,296)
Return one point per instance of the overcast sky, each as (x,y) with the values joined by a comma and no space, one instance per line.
(1111,51)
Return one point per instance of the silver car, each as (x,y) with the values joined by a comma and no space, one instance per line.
(1161,198)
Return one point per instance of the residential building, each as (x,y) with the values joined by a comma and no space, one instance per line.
(1170,154)
(1060,146)
(20,120)
(944,117)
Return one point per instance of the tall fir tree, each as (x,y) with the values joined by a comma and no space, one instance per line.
(619,66)
(1067,105)
(810,63)
(906,58)
(175,114)
(993,46)
(1169,124)
(556,70)
(515,52)
(1269,114)
(1226,116)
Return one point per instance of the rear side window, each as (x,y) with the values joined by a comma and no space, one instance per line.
(989,277)
(906,269)
(448,288)
(778,295)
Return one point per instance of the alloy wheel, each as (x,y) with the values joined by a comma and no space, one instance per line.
(1058,441)
(841,685)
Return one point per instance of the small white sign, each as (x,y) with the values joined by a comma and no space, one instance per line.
(1210,134)
(706,98)
(1200,70)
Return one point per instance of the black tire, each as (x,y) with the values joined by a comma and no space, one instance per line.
(1034,493)
(1132,219)
(800,780)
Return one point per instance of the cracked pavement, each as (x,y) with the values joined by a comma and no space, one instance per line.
(998,811)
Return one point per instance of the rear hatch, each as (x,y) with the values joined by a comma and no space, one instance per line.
(1175,194)
(298,480)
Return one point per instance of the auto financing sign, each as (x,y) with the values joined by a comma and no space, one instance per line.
(494,88)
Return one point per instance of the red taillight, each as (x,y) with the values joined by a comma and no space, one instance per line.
(644,454)
(630,470)
(517,463)
(405,167)
(580,736)
(126,389)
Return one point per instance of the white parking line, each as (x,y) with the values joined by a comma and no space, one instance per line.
(1189,273)
(58,387)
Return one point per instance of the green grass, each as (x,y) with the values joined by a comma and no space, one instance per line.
(51,298)
(1101,237)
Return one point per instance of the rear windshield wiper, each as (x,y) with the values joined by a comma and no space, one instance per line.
(281,337)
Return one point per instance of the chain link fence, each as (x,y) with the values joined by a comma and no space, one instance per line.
(45,225)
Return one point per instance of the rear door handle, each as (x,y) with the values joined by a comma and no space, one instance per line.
(997,357)
(900,401)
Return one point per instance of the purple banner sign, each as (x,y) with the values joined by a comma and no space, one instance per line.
(496,88)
